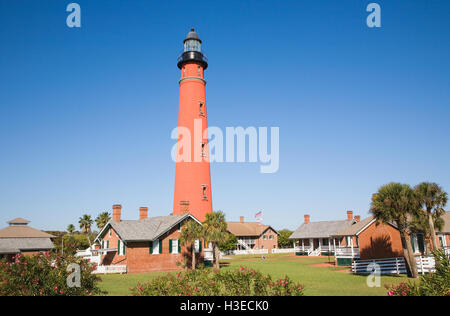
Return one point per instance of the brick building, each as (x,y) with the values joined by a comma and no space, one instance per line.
(145,245)
(361,239)
(18,237)
(253,236)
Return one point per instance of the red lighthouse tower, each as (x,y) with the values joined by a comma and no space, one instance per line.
(192,176)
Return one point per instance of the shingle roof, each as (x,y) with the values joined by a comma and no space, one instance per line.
(355,228)
(247,228)
(446,218)
(146,229)
(15,245)
(324,229)
(23,232)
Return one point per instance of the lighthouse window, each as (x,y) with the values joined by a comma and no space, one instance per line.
(204,188)
(198,71)
(201,106)
(203,149)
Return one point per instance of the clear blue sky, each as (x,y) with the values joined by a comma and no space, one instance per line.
(86,114)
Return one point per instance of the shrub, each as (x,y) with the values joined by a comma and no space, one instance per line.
(45,275)
(208,282)
(432,284)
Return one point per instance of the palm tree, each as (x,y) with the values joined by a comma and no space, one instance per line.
(215,232)
(85,224)
(191,232)
(398,203)
(433,200)
(102,220)
(70,229)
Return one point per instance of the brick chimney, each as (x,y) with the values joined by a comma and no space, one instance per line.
(117,212)
(184,207)
(241,219)
(358,218)
(307,218)
(143,213)
(349,215)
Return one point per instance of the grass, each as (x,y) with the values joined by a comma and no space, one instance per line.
(318,280)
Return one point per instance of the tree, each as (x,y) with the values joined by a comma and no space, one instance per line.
(102,219)
(283,238)
(85,225)
(398,203)
(215,232)
(433,200)
(229,244)
(191,232)
(71,229)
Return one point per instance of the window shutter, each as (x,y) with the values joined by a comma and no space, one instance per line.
(170,245)
(118,247)
(200,246)
(150,247)
(160,247)
(107,244)
(124,248)
(179,246)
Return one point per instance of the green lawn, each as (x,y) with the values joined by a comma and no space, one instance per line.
(318,280)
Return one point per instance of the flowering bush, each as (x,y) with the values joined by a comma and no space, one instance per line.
(432,284)
(45,275)
(208,282)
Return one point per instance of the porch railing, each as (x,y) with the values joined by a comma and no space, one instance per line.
(110,269)
(346,252)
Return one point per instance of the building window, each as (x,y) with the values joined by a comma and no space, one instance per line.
(271,237)
(179,227)
(198,246)
(110,232)
(274,246)
(155,247)
(203,149)
(121,248)
(201,108)
(174,246)
(442,241)
(418,243)
(204,191)
(264,237)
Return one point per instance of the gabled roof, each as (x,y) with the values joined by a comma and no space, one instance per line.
(146,229)
(247,228)
(324,229)
(21,231)
(356,228)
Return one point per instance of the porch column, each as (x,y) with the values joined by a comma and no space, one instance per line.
(303,245)
(351,243)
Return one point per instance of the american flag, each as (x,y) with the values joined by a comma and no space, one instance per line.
(259,214)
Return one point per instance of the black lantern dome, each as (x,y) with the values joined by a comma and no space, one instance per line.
(192,51)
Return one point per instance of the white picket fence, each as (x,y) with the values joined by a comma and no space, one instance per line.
(110,269)
(425,264)
(245,252)
(284,250)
